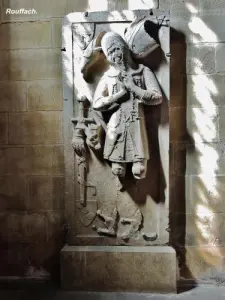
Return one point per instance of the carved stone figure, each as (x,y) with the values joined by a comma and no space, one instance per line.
(124,90)
(116,87)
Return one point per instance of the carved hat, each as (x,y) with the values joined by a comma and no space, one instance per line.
(110,39)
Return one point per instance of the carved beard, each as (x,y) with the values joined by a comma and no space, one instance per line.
(118,60)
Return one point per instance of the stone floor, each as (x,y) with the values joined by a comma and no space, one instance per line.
(49,292)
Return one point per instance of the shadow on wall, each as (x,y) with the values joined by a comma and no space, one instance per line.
(197,226)
(31,236)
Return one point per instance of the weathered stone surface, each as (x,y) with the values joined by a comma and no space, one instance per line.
(25,35)
(177,91)
(203,261)
(178,6)
(202,124)
(56,26)
(178,123)
(4,64)
(44,9)
(13,96)
(220,52)
(110,5)
(206,91)
(205,227)
(180,23)
(56,226)
(45,95)
(206,158)
(13,193)
(178,157)
(31,64)
(178,59)
(200,58)
(206,192)
(35,128)
(32,160)
(24,228)
(178,185)
(221,123)
(45,193)
(208,28)
(3,128)
(100,268)
(212,6)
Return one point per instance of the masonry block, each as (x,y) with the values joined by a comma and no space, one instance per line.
(13,96)
(3,128)
(178,158)
(220,52)
(56,226)
(222,124)
(177,91)
(206,91)
(206,158)
(212,6)
(24,228)
(205,227)
(35,128)
(177,123)
(45,95)
(33,64)
(56,25)
(202,124)
(13,193)
(44,9)
(4,64)
(200,58)
(45,192)
(25,35)
(209,28)
(178,58)
(116,268)
(32,160)
(179,7)
(206,191)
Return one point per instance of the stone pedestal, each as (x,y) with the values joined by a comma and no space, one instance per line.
(119,268)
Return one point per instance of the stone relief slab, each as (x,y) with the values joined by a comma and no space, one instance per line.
(116,127)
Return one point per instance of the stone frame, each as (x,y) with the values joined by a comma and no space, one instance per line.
(69,98)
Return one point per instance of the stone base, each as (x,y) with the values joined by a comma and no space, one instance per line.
(119,268)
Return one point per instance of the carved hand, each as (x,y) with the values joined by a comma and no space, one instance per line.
(128,81)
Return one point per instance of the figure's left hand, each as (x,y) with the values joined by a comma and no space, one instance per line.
(128,82)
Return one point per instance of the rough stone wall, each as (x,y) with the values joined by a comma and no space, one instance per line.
(31,141)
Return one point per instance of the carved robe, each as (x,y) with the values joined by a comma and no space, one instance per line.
(126,138)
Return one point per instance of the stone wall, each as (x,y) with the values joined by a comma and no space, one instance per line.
(31,141)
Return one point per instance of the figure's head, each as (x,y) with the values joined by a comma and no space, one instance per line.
(114,47)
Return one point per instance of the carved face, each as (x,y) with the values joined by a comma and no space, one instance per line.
(115,54)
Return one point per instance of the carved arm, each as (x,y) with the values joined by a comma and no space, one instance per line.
(102,101)
(152,94)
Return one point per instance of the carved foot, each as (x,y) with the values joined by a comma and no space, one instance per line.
(109,222)
(134,223)
(150,236)
(119,169)
(139,170)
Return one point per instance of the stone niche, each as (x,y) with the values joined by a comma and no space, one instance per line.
(116,134)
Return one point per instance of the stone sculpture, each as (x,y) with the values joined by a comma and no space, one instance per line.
(122,93)
(124,89)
